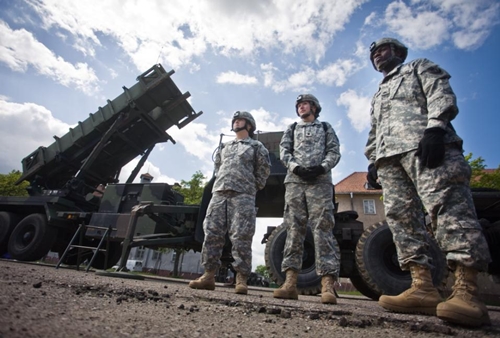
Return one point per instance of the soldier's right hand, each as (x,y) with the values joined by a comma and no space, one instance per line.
(372,176)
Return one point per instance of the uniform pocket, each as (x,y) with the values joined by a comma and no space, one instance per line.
(245,154)
(395,88)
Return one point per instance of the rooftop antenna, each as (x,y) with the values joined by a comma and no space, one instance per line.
(159,54)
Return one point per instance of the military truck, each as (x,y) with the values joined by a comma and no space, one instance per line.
(77,207)
(65,178)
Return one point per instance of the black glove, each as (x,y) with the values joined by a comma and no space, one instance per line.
(316,171)
(372,176)
(430,150)
(301,171)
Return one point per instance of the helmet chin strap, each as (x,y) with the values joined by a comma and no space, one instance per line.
(240,128)
(306,115)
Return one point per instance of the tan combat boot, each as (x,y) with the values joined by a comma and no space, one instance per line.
(327,290)
(241,284)
(422,297)
(463,306)
(205,282)
(289,289)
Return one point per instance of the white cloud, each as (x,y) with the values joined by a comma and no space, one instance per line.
(19,49)
(268,71)
(302,80)
(183,30)
(267,121)
(197,140)
(371,18)
(149,168)
(422,29)
(236,78)
(427,24)
(473,20)
(358,109)
(25,127)
(336,73)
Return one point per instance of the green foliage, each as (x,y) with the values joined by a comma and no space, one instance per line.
(7,186)
(480,178)
(262,270)
(192,190)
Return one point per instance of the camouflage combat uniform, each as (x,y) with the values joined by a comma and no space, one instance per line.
(411,98)
(241,169)
(310,202)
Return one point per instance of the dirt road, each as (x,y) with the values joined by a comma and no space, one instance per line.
(41,301)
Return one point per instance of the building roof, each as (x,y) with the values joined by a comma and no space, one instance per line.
(355,183)
(147,175)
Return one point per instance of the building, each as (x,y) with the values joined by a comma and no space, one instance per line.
(146,178)
(354,193)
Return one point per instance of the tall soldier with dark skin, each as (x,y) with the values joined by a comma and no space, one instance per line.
(416,156)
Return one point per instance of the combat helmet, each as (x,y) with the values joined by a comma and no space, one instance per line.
(248,117)
(395,44)
(311,99)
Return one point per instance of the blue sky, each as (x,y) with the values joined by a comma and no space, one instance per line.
(60,60)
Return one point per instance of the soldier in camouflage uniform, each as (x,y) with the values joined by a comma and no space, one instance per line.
(242,167)
(417,156)
(309,150)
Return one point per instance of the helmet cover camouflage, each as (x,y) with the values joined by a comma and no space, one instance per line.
(397,45)
(309,98)
(247,117)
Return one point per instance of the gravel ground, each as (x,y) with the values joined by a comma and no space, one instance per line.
(41,301)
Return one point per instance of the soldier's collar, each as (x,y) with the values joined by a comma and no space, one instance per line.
(302,123)
(245,140)
(392,72)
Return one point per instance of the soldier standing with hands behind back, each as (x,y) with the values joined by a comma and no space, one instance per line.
(309,150)
(415,152)
(242,167)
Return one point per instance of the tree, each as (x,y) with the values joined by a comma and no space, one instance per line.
(262,270)
(8,187)
(481,178)
(192,190)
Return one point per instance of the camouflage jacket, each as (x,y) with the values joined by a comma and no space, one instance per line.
(309,146)
(242,166)
(411,98)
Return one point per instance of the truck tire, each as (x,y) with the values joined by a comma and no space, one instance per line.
(366,290)
(308,282)
(32,238)
(8,221)
(378,265)
(491,232)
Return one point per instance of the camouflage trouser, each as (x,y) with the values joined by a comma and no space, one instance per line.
(233,213)
(313,204)
(444,192)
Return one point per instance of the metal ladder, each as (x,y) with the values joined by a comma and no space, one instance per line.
(79,233)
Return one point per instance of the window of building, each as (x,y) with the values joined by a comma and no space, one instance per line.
(174,255)
(156,255)
(369,207)
(139,253)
